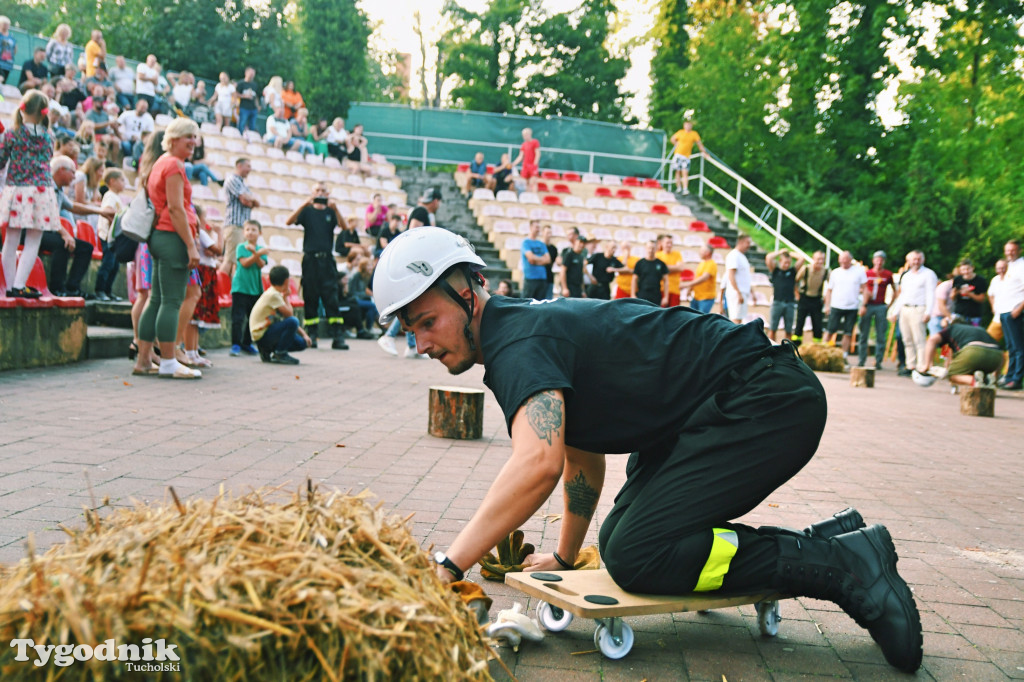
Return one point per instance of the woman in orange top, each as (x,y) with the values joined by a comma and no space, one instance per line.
(292,100)
(172,246)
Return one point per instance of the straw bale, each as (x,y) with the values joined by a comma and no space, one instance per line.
(822,358)
(319,587)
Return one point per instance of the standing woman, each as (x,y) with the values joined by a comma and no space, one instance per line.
(272,94)
(59,52)
(172,246)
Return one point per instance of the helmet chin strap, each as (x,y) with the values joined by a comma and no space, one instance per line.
(467,307)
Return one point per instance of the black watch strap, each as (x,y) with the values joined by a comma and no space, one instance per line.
(443,560)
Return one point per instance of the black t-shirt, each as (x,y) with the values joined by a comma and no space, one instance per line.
(959,335)
(319,224)
(344,237)
(964,306)
(72,98)
(601,264)
(783,282)
(573,264)
(387,233)
(37,70)
(622,392)
(243,87)
(501,181)
(421,214)
(549,274)
(649,276)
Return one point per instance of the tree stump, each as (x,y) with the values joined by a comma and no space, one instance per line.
(456,412)
(978,401)
(862,377)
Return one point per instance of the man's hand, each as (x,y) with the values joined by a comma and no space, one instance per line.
(444,575)
(862,310)
(193,257)
(331,205)
(740,299)
(541,562)
(926,317)
(309,342)
(69,240)
(664,300)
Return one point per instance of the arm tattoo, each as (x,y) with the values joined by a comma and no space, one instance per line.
(581,497)
(544,412)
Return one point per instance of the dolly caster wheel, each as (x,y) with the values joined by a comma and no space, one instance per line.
(768,618)
(611,646)
(552,618)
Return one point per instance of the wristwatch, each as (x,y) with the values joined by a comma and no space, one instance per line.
(442,559)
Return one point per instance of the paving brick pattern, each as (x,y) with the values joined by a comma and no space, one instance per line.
(947,486)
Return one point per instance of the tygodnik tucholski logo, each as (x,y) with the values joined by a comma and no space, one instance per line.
(150,656)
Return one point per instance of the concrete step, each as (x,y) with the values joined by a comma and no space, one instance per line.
(113,314)
(107,342)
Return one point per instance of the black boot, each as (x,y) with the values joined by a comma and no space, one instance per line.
(338,332)
(311,331)
(845,521)
(856,571)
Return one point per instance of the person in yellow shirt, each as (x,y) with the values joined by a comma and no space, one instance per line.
(95,53)
(704,286)
(674,261)
(624,281)
(684,140)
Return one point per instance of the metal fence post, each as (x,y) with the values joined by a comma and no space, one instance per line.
(736,214)
(778,228)
(424,163)
(700,185)
(591,162)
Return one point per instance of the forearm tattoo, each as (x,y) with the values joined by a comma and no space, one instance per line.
(544,412)
(581,497)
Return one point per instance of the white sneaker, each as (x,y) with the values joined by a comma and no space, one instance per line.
(411,353)
(387,344)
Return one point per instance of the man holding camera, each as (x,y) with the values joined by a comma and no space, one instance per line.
(318,217)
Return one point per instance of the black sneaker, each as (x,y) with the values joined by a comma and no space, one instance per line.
(102,297)
(24,292)
(339,344)
(265,356)
(283,359)
(904,372)
(312,341)
(365,335)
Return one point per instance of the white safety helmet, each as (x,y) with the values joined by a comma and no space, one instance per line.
(413,262)
(923,380)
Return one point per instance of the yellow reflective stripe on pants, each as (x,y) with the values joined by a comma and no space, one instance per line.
(335,320)
(723,549)
(310,321)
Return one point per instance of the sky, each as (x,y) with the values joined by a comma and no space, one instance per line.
(396,32)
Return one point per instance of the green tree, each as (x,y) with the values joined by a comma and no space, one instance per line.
(333,68)
(485,53)
(579,76)
(670,60)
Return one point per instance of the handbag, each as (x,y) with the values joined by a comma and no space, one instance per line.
(139,218)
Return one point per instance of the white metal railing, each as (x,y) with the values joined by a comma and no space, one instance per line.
(425,157)
(735,199)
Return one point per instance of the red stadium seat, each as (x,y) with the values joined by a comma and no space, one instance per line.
(551,200)
(462,168)
(572,177)
(223,289)
(651,183)
(266,281)
(490,168)
(543,187)
(551,175)
(686,275)
(718,243)
(87,233)
(699,226)
(37,280)
(562,189)
(660,209)
(602,192)
(624,194)
(631,182)
(293,294)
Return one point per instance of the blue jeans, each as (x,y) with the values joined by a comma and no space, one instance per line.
(369,311)
(410,338)
(1013,335)
(125,101)
(108,270)
(282,337)
(246,119)
(302,146)
(132,149)
(703,305)
(200,171)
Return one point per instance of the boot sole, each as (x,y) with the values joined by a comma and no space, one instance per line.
(880,539)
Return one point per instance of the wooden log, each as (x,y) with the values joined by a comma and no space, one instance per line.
(456,412)
(862,377)
(978,401)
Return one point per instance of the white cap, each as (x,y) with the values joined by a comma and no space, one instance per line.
(412,262)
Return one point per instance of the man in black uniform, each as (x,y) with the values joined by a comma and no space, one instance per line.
(969,294)
(716,417)
(573,260)
(650,277)
(318,217)
(606,266)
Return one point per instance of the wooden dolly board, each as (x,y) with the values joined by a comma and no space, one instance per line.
(593,594)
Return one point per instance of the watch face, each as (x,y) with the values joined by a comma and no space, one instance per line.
(439,557)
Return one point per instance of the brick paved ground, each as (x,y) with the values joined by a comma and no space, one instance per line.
(948,487)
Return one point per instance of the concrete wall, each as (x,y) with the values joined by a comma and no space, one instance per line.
(38,337)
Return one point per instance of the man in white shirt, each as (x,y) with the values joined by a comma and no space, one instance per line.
(843,296)
(1011,295)
(124,83)
(917,299)
(145,80)
(279,130)
(737,280)
(135,124)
